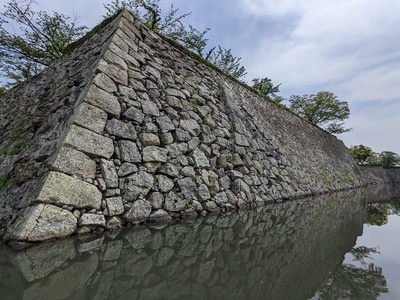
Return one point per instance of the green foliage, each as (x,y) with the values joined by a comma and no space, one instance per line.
(266,88)
(360,153)
(322,109)
(2,90)
(389,159)
(170,25)
(228,63)
(41,38)
(4,182)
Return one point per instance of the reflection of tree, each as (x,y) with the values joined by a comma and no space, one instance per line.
(361,253)
(350,282)
(377,213)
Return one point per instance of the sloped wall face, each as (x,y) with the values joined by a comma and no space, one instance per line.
(34,118)
(156,135)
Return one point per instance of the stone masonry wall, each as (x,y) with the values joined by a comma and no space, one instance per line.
(129,129)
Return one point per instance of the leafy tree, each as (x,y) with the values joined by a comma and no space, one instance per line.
(228,63)
(266,88)
(171,26)
(373,159)
(39,41)
(2,90)
(389,159)
(322,109)
(360,153)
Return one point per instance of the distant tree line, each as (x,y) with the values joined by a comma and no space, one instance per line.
(364,155)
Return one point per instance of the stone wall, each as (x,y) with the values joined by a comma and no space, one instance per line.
(129,129)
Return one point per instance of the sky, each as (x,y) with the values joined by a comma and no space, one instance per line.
(348,47)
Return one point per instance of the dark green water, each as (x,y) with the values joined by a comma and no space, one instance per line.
(341,246)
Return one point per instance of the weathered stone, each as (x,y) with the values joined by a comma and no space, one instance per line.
(113,223)
(127,169)
(225,182)
(174,203)
(177,149)
(105,83)
(149,139)
(188,187)
(236,160)
(203,193)
(198,208)
(175,93)
(240,186)
(156,199)
(92,220)
(74,162)
(169,169)
(91,117)
(138,184)
(89,142)
(188,171)
(115,72)
(153,153)
(235,174)
(159,216)
(191,126)
(166,138)
(43,222)
(241,140)
(114,206)
(165,124)
(220,198)
(174,102)
(182,135)
(193,143)
(200,159)
(139,212)
(211,206)
(120,129)
(103,100)
(129,152)
(152,71)
(115,60)
(61,189)
(150,108)
(134,114)
(164,183)
(109,173)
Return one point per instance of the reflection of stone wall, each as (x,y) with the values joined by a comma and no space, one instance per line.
(129,129)
(378,175)
(281,251)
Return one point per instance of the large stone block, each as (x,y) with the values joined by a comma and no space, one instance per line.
(43,222)
(91,117)
(153,153)
(90,142)
(139,212)
(106,101)
(74,162)
(61,189)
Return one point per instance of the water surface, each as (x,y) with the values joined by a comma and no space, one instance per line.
(340,246)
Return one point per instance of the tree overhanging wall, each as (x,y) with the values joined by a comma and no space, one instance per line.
(128,129)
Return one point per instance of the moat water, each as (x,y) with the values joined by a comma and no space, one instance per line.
(341,246)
